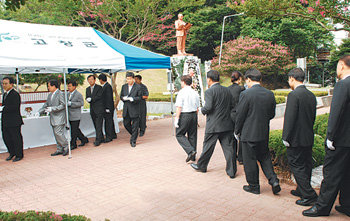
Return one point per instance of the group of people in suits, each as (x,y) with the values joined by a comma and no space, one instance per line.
(240,119)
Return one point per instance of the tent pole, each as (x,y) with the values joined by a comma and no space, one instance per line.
(171,100)
(67,117)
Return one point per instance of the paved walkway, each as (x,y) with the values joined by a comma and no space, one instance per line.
(149,182)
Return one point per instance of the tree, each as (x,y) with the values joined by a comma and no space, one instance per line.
(315,10)
(244,53)
(343,49)
(301,36)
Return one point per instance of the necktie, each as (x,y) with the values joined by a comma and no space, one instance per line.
(4,97)
(92,89)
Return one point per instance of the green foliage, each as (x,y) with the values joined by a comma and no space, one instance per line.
(279,151)
(160,97)
(344,49)
(41,79)
(285,93)
(39,216)
(301,36)
(321,124)
(280,99)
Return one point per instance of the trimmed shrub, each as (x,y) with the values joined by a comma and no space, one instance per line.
(321,124)
(285,93)
(279,151)
(280,99)
(161,97)
(40,216)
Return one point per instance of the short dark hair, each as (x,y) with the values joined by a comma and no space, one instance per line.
(54,82)
(102,77)
(187,79)
(11,80)
(213,75)
(130,74)
(73,83)
(253,74)
(345,59)
(297,73)
(235,76)
(91,75)
(138,76)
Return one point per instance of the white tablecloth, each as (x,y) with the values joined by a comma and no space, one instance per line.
(38,132)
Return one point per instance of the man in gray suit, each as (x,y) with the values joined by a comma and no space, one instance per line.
(75,102)
(55,106)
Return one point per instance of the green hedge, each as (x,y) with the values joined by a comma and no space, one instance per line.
(321,124)
(32,215)
(279,151)
(280,99)
(160,97)
(285,93)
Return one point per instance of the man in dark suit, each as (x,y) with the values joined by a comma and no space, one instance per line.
(256,107)
(143,106)
(94,97)
(75,102)
(107,98)
(336,168)
(11,120)
(235,90)
(131,96)
(218,126)
(298,135)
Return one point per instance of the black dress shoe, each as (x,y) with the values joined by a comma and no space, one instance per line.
(10,157)
(133,144)
(73,147)
(142,133)
(195,166)
(306,202)
(313,212)
(17,159)
(232,177)
(57,153)
(250,189)
(65,153)
(191,156)
(114,136)
(295,193)
(108,140)
(341,209)
(97,143)
(83,143)
(276,188)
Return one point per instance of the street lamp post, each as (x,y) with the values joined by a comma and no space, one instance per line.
(222,32)
(322,57)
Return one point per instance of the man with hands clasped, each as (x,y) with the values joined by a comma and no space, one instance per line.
(186,120)
(55,107)
(336,168)
(298,135)
(131,96)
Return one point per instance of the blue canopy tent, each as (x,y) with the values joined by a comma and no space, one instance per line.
(36,48)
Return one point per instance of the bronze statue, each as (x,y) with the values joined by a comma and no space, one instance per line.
(181,33)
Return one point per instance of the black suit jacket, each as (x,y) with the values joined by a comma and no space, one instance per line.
(96,104)
(256,107)
(107,97)
(217,108)
(11,114)
(235,91)
(299,118)
(131,108)
(339,117)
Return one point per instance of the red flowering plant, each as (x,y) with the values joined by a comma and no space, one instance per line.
(244,53)
(323,12)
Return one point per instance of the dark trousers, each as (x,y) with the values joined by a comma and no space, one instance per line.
(97,119)
(237,149)
(143,116)
(109,125)
(253,152)
(188,124)
(13,140)
(76,133)
(132,126)
(209,143)
(336,178)
(300,163)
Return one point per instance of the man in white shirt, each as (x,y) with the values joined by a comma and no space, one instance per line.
(186,120)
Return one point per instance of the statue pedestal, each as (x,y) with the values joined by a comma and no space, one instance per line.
(182,55)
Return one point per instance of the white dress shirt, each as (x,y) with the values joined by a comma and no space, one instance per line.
(188,99)
(53,94)
(130,87)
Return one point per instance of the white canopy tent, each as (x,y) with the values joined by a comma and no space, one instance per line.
(27,48)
